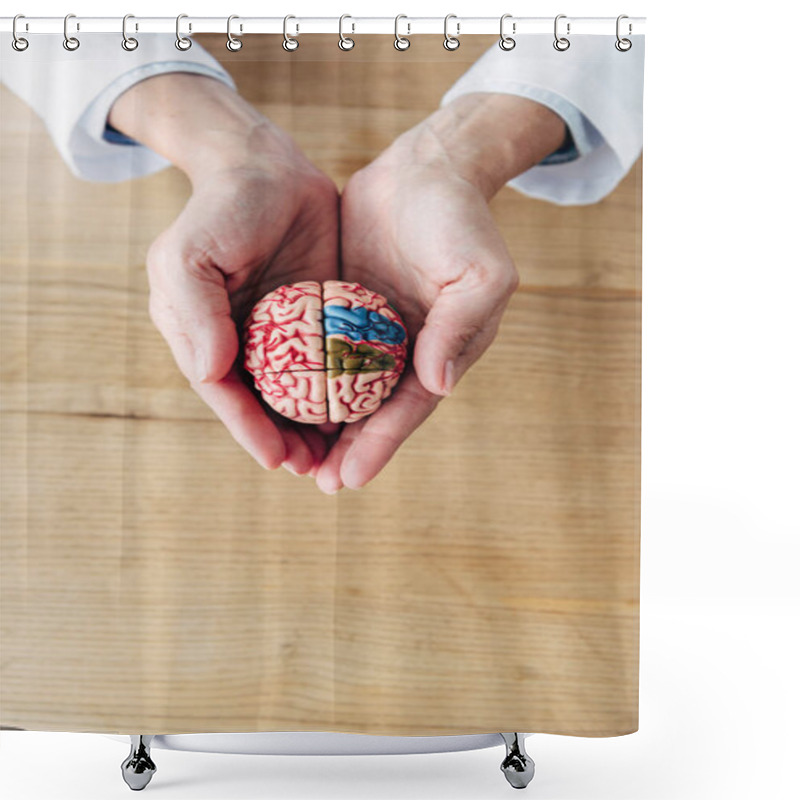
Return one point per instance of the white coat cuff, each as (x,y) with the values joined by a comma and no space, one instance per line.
(73,93)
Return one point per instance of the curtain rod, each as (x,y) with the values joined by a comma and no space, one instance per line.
(406,26)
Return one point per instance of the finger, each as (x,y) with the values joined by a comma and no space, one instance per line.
(322,439)
(299,459)
(189,305)
(318,447)
(383,432)
(328,477)
(313,445)
(306,446)
(240,412)
(460,326)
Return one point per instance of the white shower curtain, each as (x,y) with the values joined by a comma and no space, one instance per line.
(465,559)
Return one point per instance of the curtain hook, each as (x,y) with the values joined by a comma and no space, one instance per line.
(623,45)
(128,42)
(400,42)
(345,42)
(71,43)
(233,44)
(451,42)
(18,43)
(506,42)
(561,43)
(182,42)
(290,43)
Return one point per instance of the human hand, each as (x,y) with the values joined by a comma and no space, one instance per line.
(260,215)
(416,227)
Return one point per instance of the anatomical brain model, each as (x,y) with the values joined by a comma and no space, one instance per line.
(330,352)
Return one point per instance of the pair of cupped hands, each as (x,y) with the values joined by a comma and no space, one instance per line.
(413,225)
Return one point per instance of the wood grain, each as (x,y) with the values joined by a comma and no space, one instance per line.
(155,580)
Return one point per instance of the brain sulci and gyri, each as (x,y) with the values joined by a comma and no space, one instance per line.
(320,352)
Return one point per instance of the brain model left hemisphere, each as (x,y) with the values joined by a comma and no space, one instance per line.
(324,352)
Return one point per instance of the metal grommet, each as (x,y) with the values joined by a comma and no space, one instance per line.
(345,42)
(623,45)
(400,42)
(561,43)
(71,43)
(128,42)
(506,42)
(182,42)
(18,42)
(290,43)
(233,44)
(451,42)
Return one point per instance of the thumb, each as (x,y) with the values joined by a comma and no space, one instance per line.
(459,327)
(189,305)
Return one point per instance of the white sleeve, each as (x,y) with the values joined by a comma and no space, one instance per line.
(596,89)
(73,93)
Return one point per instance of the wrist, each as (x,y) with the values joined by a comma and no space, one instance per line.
(485,139)
(201,125)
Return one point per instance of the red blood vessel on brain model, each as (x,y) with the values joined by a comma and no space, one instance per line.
(330,352)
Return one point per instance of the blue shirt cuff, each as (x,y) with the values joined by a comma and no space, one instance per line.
(114,136)
(567,152)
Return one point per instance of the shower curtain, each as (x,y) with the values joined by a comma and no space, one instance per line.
(475,566)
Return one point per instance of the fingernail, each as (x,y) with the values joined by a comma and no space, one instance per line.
(290,468)
(449,376)
(328,484)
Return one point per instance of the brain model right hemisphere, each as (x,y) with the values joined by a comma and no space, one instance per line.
(330,352)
